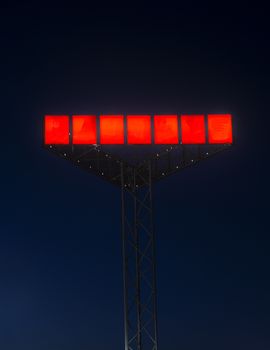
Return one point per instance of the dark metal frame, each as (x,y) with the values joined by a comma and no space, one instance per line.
(138,238)
(107,165)
(139,263)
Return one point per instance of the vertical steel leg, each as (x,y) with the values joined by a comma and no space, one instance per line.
(139,266)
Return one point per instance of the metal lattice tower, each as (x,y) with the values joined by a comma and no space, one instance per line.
(139,259)
(135,179)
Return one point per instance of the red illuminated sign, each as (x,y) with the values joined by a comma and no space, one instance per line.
(84,129)
(138,129)
(166,129)
(220,128)
(193,129)
(112,129)
(56,130)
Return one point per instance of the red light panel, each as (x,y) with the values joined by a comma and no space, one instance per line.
(84,130)
(166,129)
(139,129)
(193,129)
(220,128)
(56,130)
(112,129)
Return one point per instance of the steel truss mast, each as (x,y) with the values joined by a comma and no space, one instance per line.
(135,180)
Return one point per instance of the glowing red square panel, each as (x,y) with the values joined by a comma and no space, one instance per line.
(220,128)
(139,129)
(193,129)
(112,129)
(166,129)
(56,130)
(84,129)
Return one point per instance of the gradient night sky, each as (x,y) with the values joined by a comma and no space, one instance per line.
(60,243)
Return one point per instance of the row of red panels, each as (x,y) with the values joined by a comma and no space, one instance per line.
(138,129)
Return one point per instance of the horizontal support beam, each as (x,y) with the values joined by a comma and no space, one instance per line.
(108,166)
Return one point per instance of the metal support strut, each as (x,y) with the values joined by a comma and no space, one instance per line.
(139,262)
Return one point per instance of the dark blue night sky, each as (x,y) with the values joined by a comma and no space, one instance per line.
(60,238)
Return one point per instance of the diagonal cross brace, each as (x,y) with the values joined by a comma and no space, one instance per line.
(139,265)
